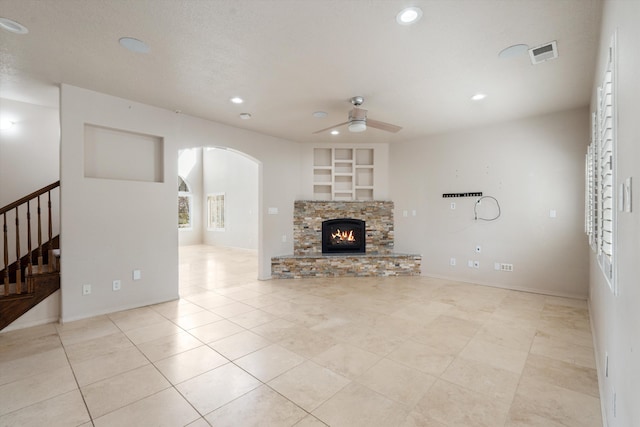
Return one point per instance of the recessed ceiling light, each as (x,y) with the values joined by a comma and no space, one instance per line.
(245,116)
(335,132)
(409,15)
(134,45)
(6,124)
(13,26)
(237,100)
(513,51)
(478,96)
(319,114)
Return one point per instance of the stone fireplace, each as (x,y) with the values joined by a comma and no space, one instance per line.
(374,258)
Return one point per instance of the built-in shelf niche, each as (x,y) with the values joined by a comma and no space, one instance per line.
(343,174)
(122,155)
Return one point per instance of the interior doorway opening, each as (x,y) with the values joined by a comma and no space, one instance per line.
(218,217)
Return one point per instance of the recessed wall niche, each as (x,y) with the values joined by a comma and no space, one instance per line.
(123,155)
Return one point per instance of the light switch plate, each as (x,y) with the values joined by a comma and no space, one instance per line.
(627,195)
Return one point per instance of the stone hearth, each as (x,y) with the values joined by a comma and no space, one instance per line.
(379,259)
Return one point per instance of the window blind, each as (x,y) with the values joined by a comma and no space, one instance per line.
(605,182)
(590,219)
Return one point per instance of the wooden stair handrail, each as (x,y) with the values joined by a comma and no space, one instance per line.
(29,197)
(15,206)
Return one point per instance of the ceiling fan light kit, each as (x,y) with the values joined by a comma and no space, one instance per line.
(357,126)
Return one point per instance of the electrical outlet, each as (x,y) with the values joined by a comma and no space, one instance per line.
(452,206)
(470,263)
(452,262)
(86,289)
(506,267)
(137,275)
(476,264)
(117,284)
(496,266)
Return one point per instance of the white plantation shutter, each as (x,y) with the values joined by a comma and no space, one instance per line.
(590,211)
(605,174)
(215,212)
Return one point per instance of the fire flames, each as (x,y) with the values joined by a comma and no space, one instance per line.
(343,236)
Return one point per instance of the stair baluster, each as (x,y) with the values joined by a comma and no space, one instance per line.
(29,254)
(6,255)
(18,266)
(40,259)
(50,245)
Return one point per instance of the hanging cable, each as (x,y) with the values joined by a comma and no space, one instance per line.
(475,209)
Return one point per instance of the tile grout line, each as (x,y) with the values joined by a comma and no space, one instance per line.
(75,378)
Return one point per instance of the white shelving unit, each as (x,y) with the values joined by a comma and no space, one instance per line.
(343,173)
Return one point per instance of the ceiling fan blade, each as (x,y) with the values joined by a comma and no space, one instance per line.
(383,126)
(330,127)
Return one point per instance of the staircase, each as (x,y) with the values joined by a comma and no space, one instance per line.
(35,273)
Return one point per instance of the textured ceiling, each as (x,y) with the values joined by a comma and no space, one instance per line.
(289,58)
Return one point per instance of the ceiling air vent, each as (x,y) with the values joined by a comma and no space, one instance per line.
(543,53)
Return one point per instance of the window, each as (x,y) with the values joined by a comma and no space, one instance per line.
(600,214)
(185,201)
(215,211)
(591,188)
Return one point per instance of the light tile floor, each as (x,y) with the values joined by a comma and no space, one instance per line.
(235,351)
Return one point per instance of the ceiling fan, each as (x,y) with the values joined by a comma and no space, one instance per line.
(358,120)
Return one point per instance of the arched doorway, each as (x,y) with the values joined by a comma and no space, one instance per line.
(220,248)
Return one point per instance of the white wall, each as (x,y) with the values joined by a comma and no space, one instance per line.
(29,153)
(190,168)
(616,319)
(531,166)
(110,227)
(28,150)
(235,175)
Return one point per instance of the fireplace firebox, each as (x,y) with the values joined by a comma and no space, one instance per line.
(343,235)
